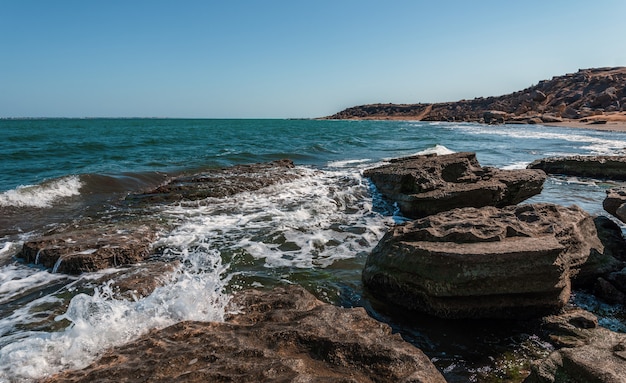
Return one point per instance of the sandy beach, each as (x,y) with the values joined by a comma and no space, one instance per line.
(615,122)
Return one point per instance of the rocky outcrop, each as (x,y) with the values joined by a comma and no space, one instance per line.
(615,203)
(589,353)
(281,336)
(604,167)
(517,261)
(428,184)
(96,243)
(585,93)
(219,183)
(78,250)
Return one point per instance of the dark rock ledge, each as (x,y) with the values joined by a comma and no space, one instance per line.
(285,335)
(600,167)
(94,244)
(429,184)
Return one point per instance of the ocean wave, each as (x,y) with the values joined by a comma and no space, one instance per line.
(347,163)
(100,321)
(437,149)
(589,141)
(42,195)
(313,221)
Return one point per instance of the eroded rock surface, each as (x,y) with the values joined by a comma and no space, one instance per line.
(78,250)
(281,336)
(429,184)
(589,353)
(604,167)
(218,183)
(488,262)
(615,203)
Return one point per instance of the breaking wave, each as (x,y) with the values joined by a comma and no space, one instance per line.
(42,195)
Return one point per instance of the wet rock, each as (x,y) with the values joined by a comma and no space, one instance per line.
(429,184)
(611,257)
(615,203)
(78,250)
(517,261)
(589,353)
(140,280)
(281,336)
(604,167)
(219,183)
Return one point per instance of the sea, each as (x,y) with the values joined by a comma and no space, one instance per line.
(315,230)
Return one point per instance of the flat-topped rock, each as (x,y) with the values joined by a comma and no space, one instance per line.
(219,183)
(517,261)
(603,167)
(429,184)
(78,250)
(285,335)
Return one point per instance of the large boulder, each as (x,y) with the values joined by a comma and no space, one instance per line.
(604,167)
(286,335)
(517,261)
(429,184)
(589,353)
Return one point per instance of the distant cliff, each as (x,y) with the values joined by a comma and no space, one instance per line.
(574,96)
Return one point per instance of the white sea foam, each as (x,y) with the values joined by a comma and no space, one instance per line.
(590,141)
(437,149)
(42,195)
(516,165)
(99,321)
(16,280)
(348,163)
(313,221)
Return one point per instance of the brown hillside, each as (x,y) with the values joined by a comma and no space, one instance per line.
(584,95)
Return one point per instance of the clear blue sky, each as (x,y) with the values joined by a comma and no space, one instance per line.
(291,58)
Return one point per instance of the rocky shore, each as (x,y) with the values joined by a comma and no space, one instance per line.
(590,97)
(470,251)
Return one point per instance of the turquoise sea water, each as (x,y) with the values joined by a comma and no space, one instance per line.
(315,231)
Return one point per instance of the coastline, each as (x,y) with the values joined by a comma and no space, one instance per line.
(609,126)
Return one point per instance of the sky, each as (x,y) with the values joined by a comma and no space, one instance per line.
(288,59)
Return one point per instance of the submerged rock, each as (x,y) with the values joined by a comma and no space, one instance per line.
(219,183)
(285,335)
(589,353)
(517,261)
(604,167)
(429,184)
(78,250)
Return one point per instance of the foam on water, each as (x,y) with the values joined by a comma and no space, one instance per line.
(516,165)
(99,321)
(16,280)
(437,149)
(590,141)
(42,195)
(313,221)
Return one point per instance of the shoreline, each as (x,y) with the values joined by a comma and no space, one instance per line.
(610,125)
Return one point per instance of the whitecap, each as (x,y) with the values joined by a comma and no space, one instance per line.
(313,221)
(42,195)
(437,149)
(99,322)
(516,165)
(347,163)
